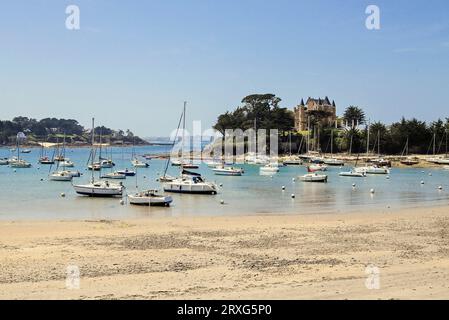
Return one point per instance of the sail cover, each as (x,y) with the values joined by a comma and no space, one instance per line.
(190,173)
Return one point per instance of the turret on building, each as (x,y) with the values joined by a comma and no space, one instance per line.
(303,111)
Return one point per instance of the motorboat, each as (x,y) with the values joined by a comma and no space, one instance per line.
(113,175)
(190,182)
(333,162)
(26,151)
(372,170)
(128,173)
(59,158)
(150,198)
(227,171)
(313,177)
(4,162)
(352,174)
(176,163)
(60,176)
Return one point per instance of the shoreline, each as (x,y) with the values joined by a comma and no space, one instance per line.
(310,256)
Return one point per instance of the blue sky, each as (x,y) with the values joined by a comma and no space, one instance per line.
(133,63)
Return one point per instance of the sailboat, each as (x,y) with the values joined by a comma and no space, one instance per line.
(189,182)
(333,161)
(292,160)
(353,172)
(43,158)
(16,162)
(408,161)
(64,175)
(98,188)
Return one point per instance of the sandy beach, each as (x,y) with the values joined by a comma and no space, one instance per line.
(249,257)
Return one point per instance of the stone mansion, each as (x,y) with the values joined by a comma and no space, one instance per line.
(303,111)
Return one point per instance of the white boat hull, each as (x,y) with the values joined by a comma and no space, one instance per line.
(153,200)
(193,188)
(101,190)
(314,178)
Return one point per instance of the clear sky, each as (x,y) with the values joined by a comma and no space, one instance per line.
(133,63)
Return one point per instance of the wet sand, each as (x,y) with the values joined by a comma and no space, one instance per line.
(249,257)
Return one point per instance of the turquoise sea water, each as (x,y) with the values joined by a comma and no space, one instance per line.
(24,196)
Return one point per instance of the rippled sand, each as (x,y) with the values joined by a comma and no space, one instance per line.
(250,257)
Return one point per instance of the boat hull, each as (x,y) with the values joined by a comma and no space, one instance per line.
(98,191)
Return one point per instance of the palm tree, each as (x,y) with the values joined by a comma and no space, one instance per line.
(354,116)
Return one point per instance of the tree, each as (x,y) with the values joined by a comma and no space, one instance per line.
(354,116)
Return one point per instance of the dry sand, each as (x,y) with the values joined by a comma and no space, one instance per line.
(250,257)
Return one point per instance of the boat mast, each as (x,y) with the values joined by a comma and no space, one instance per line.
(332,142)
(434,142)
(308,134)
(378,143)
(93,142)
(290,141)
(183,133)
(367,139)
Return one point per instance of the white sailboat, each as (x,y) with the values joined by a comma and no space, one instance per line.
(16,162)
(313,177)
(149,198)
(98,188)
(189,182)
(227,171)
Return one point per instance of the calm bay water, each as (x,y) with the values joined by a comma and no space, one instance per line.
(24,196)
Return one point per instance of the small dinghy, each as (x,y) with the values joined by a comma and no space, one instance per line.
(113,175)
(228,171)
(128,173)
(149,198)
(313,177)
(352,174)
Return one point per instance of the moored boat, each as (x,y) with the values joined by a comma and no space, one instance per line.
(150,198)
(60,176)
(113,175)
(228,171)
(313,177)
(352,174)
(128,173)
